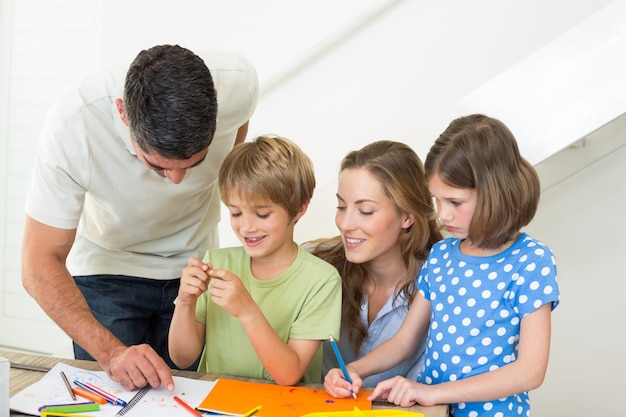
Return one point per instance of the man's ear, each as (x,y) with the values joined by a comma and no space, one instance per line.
(408,220)
(120,109)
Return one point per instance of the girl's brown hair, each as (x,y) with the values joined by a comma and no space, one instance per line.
(479,152)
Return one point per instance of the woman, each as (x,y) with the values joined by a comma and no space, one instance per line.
(387,226)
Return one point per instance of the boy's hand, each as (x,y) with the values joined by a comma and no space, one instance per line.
(228,292)
(194,280)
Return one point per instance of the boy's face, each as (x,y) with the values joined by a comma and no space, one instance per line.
(263,228)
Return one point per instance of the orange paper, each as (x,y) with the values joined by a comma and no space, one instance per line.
(237,397)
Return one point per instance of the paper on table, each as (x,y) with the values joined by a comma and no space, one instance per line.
(230,396)
(156,403)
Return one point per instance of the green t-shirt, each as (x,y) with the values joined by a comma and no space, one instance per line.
(304,302)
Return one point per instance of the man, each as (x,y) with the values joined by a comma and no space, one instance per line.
(123,192)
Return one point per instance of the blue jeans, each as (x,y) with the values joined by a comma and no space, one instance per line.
(135,310)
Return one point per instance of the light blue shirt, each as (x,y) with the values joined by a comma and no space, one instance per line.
(385,325)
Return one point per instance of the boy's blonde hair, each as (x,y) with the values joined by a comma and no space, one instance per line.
(269,168)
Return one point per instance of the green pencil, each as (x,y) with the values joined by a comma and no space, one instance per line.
(74,408)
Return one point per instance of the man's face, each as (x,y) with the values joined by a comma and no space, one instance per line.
(172,169)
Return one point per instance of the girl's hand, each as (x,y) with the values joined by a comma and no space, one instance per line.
(193,281)
(403,392)
(336,385)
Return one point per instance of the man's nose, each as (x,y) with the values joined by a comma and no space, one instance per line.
(175,175)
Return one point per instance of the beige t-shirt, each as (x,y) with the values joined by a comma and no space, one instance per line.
(130,220)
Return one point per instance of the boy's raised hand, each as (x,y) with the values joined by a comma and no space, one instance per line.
(194,280)
(228,292)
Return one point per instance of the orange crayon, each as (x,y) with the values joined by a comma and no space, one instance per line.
(89,395)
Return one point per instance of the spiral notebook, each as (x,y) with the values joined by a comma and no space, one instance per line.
(155,402)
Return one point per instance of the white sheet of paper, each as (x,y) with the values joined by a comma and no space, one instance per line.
(158,402)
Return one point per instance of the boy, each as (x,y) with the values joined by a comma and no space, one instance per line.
(263,309)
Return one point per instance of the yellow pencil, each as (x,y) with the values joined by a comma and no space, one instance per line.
(251,412)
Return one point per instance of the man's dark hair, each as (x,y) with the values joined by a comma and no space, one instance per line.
(170,102)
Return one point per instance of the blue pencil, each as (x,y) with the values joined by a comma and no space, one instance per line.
(342,364)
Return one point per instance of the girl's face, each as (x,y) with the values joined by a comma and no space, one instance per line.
(455,206)
(367,219)
(263,228)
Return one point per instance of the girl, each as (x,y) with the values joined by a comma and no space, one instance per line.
(486,293)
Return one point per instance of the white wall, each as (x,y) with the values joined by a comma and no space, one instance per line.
(582,220)
(44,47)
(392,78)
(333,89)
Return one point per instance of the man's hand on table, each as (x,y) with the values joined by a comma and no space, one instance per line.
(137,366)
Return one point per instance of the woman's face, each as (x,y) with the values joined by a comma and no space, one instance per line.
(367,219)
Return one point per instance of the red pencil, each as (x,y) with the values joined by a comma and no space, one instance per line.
(187,406)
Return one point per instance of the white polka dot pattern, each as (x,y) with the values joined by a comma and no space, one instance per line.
(477,304)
